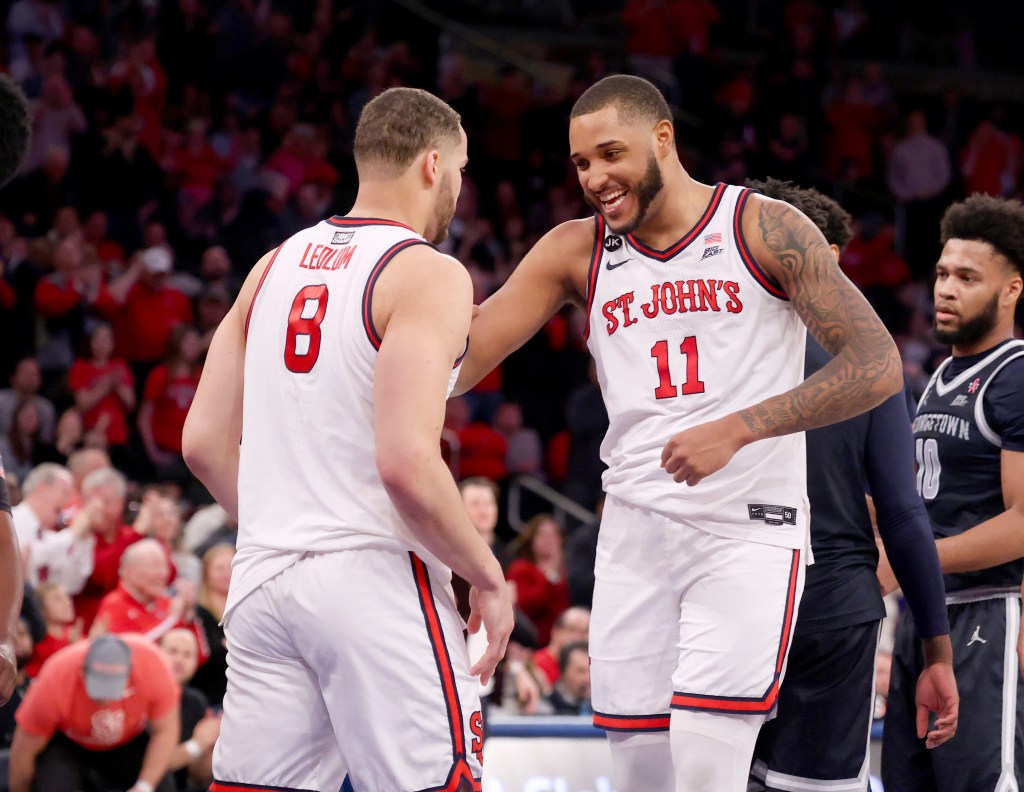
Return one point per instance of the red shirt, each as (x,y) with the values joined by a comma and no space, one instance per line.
(145,322)
(482,452)
(45,649)
(104,577)
(120,613)
(57,701)
(548,664)
(55,296)
(539,598)
(171,397)
(84,375)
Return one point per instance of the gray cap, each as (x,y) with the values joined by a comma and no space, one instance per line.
(108,664)
(157,260)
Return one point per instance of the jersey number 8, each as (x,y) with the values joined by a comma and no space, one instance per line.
(302,342)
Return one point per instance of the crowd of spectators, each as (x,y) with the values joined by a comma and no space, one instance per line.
(176,141)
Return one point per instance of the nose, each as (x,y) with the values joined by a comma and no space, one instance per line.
(945,290)
(597,178)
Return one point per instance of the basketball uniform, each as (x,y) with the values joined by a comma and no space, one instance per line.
(345,650)
(696,587)
(958,442)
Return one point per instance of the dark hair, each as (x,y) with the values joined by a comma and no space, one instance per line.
(401,123)
(832,220)
(635,98)
(524,542)
(15,128)
(985,218)
(565,654)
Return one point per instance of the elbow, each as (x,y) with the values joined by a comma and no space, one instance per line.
(195,451)
(401,472)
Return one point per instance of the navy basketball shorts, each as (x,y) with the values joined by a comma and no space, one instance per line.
(987,752)
(819,739)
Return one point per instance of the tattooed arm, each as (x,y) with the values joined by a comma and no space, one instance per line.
(864,371)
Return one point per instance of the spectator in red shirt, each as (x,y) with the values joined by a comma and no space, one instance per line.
(572,626)
(107,707)
(168,394)
(58,612)
(539,574)
(481,448)
(112,538)
(104,387)
(140,603)
(151,310)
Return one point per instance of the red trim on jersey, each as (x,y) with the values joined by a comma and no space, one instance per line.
(263,277)
(747,703)
(442,658)
(640,723)
(338,220)
(595,268)
(390,253)
(460,772)
(770,285)
(233,786)
(664,255)
(461,357)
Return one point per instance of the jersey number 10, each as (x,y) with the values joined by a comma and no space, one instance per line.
(928,467)
(302,341)
(693,384)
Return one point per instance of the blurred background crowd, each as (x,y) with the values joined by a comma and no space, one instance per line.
(176,141)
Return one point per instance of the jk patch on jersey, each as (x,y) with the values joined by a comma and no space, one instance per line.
(772,515)
(342,237)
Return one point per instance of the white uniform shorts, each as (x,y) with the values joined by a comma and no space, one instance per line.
(685,619)
(350,662)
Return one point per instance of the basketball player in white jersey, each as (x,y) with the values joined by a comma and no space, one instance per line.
(345,649)
(696,297)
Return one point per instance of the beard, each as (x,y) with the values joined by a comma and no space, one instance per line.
(646,191)
(444,211)
(973,329)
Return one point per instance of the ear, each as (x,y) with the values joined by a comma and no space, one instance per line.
(835,250)
(1014,286)
(664,136)
(431,167)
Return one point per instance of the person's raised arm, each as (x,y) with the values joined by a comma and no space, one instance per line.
(213,429)
(538,287)
(865,369)
(421,307)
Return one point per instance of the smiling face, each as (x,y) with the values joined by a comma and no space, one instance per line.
(618,166)
(975,292)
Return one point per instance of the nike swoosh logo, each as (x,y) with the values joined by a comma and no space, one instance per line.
(612,266)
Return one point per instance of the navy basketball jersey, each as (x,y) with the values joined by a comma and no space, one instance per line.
(958,458)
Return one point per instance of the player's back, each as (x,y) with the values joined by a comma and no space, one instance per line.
(308,479)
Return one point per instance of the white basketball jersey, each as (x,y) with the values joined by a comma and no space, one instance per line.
(684,336)
(307,478)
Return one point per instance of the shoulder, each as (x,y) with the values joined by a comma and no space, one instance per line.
(423,274)
(572,239)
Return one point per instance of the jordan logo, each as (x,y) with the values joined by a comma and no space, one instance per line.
(976,638)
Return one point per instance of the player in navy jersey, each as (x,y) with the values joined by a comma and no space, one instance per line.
(969,444)
(698,300)
(819,740)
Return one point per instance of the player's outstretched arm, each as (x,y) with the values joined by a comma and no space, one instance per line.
(213,428)
(421,307)
(541,284)
(864,371)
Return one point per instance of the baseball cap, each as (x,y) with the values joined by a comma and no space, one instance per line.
(108,665)
(157,260)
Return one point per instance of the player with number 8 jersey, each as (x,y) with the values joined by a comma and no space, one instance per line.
(683,321)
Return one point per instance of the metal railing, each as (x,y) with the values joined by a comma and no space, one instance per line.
(561,506)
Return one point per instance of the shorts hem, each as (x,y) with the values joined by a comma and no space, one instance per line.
(633,723)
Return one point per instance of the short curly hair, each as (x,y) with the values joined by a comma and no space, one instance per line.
(985,218)
(834,222)
(15,128)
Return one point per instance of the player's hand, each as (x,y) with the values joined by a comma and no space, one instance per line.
(491,610)
(937,692)
(699,451)
(886,577)
(8,671)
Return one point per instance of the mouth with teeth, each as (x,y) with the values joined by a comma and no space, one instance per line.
(612,200)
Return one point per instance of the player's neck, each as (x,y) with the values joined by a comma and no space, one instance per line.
(678,208)
(389,201)
(1002,331)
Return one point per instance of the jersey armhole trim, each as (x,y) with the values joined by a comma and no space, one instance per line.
(461,357)
(255,294)
(979,406)
(767,282)
(595,268)
(378,268)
